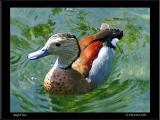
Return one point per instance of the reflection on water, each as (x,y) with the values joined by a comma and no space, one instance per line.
(127,88)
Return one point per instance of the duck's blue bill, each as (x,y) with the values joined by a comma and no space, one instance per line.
(38,54)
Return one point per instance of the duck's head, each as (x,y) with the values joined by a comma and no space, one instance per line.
(63,45)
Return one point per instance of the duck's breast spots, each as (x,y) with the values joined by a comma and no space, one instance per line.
(56,81)
(66,82)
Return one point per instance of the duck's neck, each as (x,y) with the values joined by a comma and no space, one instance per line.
(67,60)
(64,63)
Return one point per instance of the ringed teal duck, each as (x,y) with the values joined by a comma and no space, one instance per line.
(80,65)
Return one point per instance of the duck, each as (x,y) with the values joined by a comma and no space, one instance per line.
(81,65)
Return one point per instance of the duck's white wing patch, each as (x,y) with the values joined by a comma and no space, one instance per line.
(101,66)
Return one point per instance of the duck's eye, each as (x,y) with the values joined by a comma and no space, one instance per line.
(58,44)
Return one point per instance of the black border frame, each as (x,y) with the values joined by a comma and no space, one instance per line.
(154,59)
(0,62)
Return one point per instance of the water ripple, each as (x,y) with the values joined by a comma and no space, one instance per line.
(14,60)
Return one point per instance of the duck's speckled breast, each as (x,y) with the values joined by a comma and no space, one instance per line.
(65,81)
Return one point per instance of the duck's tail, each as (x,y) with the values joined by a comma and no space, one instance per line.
(108,34)
(105,34)
(116,33)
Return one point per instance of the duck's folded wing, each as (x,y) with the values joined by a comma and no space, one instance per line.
(84,63)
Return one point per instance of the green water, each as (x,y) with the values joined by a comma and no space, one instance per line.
(128,86)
